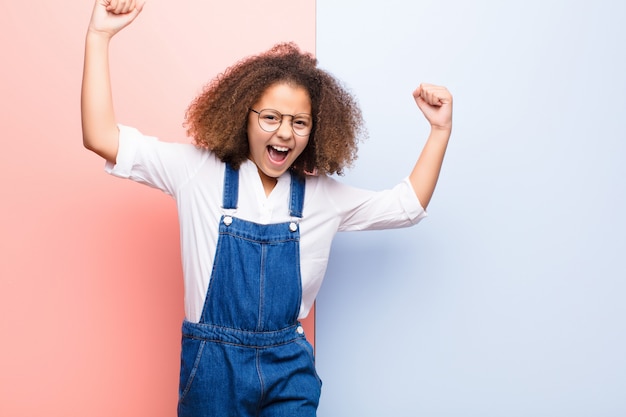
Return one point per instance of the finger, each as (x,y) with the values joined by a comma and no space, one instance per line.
(435,95)
(112,5)
(424,95)
(122,7)
(424,92)
(442,95)
(417,92)
(430,94)
(119,6)
(129,7)
(132,5)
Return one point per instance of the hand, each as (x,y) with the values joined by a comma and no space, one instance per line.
(111,16)
(436,104)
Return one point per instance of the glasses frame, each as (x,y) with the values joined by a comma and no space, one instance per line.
(282,117)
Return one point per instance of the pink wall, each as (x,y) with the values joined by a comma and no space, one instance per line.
(90,280)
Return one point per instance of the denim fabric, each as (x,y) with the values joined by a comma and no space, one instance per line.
(248,355)
(256,277)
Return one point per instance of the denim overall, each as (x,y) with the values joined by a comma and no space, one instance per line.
(248,355)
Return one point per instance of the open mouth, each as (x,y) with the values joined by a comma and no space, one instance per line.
(277,153)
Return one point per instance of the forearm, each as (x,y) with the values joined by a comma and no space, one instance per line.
(426,171)
(100,132)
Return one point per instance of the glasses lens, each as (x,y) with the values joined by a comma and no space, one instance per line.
(270,120)
(301,124)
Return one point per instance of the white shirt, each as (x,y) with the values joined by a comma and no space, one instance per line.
(195,178)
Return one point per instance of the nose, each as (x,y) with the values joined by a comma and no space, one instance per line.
(285,131)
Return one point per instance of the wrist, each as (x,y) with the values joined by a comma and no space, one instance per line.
(439,129)
(96,35)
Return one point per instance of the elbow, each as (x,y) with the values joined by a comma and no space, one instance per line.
(424,201)
(90,136)
(107,149)
(91,145)
(87,144)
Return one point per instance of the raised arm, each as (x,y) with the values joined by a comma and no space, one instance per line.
(100,132)
(436,104)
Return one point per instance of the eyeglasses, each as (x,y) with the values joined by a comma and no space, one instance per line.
(270,120)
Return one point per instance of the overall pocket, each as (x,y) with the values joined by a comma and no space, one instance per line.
(308,348)
(191,353)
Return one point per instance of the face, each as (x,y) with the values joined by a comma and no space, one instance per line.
(274,152)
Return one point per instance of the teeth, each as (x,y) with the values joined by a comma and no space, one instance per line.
(280,148)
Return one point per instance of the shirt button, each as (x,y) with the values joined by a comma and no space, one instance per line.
(300,330)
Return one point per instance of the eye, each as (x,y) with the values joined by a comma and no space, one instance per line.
(269,116)
(302,121)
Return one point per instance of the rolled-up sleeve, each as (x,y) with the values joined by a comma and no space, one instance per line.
(410,203)
(163,165)
(361,209)
(127,150)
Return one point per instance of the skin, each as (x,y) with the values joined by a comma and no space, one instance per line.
(100,132)
(435,102)
(101,135)
(288,100)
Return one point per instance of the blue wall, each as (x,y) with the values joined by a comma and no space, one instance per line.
(508,300)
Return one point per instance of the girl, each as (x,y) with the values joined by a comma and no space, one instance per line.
(258,211)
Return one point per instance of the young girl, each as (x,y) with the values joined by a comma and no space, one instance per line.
(258,211)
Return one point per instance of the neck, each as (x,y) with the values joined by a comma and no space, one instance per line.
(268,182)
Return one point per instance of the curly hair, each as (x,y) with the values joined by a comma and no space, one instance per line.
(217,118)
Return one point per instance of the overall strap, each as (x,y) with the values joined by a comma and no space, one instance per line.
(297,195)
(231,187)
